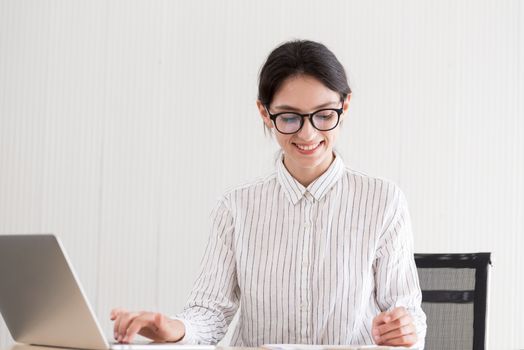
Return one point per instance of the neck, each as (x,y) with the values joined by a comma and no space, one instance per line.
(305,176)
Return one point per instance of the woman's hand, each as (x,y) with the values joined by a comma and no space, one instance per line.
(152,325)
(394,328)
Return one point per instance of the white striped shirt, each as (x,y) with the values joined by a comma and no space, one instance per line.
(308,265)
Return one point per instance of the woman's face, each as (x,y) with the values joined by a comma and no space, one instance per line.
(308,149)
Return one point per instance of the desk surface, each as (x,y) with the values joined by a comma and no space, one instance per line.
(30,347)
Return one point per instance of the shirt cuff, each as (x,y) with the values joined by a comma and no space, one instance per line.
(421,334)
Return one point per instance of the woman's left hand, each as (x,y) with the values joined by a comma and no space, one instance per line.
(394,328)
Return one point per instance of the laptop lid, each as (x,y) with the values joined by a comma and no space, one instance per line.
(41,299)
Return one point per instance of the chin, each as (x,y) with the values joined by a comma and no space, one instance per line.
(310,161)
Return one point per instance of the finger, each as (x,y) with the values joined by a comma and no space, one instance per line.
(394,324)
(160,321)
(126,319)
(398,332)
(115,312)
(397,313)
(116,326)
(115,316)
(161,325)
(380,319)
(135,327)
(405,340)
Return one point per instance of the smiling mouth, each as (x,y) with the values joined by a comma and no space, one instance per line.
(308,148)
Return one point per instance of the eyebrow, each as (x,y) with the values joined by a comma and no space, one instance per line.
(291,108)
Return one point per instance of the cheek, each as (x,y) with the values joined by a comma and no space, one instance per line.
(283,140)
(331,136)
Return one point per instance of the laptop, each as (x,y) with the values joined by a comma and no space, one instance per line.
(42,301)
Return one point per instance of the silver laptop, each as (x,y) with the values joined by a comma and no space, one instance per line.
(42,301)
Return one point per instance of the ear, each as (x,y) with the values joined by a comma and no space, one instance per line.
(345,107)
(263,114)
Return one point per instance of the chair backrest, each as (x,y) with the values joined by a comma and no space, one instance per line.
(454,298)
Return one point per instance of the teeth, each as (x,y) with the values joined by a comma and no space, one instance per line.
(307,148)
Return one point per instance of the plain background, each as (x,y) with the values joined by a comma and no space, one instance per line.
(121,122)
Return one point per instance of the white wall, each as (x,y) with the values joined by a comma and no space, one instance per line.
(121,122)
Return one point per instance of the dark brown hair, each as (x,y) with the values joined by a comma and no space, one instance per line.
(298,57)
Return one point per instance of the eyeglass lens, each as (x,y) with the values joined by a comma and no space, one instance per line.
(322,120)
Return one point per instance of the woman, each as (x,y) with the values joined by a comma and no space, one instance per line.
(314,253)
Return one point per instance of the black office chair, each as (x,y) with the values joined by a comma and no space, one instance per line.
(454,298)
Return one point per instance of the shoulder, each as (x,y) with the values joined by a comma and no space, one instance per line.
(377,188)
(248,189)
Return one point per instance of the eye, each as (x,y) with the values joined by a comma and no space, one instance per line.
(289,118)
(325,115)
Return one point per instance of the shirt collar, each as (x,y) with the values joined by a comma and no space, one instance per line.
(294,190)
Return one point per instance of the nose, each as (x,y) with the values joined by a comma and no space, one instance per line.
(307,132)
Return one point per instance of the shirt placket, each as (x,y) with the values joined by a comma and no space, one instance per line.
(305,293)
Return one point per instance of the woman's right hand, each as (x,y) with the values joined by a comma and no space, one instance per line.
(152,325)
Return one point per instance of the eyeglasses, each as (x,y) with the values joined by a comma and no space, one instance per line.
(324,119)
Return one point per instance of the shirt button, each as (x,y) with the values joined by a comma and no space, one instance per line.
(306,225)
(303,306)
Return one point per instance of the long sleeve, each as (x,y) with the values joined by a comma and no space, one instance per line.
(213,300)
(396,277)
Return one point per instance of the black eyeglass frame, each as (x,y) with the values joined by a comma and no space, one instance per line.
(273,117)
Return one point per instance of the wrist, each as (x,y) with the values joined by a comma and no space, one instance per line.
(179,330)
